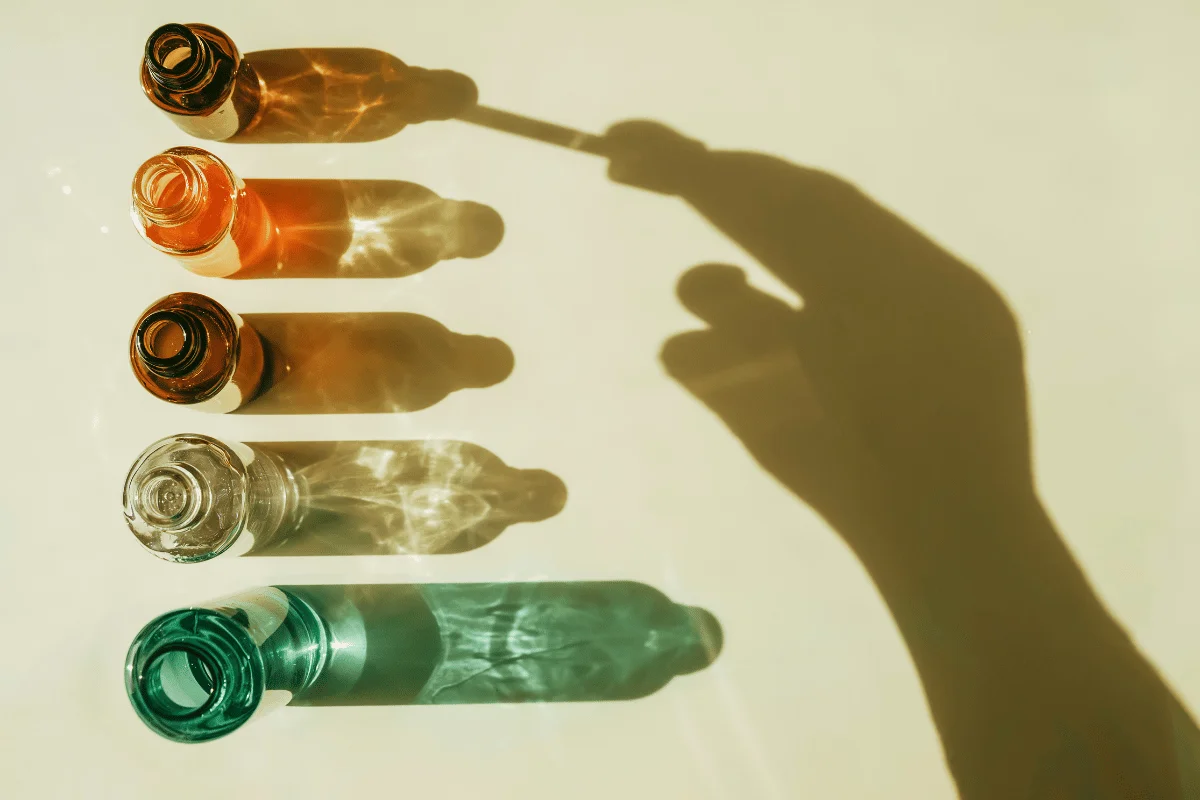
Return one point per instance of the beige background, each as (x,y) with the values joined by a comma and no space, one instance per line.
(1052,146)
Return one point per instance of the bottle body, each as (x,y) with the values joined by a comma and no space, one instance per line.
(190,498)
(188,349)
(189,204)
(412,644)
(195,75)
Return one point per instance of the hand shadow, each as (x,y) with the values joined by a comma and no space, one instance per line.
(312,95)
(894,403)
(412,497)
(366,229)
(368,363)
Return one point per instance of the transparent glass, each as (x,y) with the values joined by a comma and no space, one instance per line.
(199,673)
(188,204)
(196,76)
(189,498)
(188,349)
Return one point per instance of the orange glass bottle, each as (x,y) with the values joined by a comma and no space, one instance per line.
(189,349)
(190,205)
(195,74)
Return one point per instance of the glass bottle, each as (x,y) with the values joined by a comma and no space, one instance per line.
(188,204)
(188,349)
(196,76)
(190,498)
(327,498)
(199,673)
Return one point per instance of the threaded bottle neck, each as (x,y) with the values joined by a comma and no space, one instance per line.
(170,342)
(194,675)
(169,190)
(179,60)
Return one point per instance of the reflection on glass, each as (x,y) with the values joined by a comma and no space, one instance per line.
(189,349)
(196,76)
(347,95)
(367,229)
(188,204)
(200,673)
(369,363)
(190,498)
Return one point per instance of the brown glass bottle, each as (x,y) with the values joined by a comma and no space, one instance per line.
(196,75)
(188,204)
(188,349)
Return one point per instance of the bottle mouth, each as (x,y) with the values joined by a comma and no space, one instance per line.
(180,682)
(186,498)
(171,343)
(168,190)
(176,57)
(194,675)
(171,497)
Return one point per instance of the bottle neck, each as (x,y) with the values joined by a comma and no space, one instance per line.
(171,342)
(179,60)
(197,674)
(169,190)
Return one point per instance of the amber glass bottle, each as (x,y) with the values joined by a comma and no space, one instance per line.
(188,204)
(188,349)
(196,75)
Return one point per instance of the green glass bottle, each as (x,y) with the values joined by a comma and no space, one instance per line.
(199,673)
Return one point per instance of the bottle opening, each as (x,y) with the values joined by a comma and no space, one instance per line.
(171,496)
(174,55)
(170,343)
(171,49)
(187,498)
(180,682)
(194,675)
(168,190)
(165,339)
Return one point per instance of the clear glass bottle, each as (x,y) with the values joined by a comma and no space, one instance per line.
(190,498)
(188,204)
(327,498)
(196,76)
(199,673)
(188,349)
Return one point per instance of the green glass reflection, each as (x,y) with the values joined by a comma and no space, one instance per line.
(200,673)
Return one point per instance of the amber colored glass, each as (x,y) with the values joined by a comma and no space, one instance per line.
(188,204)
(195,74)
(188,349)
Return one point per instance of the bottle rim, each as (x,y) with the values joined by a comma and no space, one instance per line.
(224,664)
(194,508)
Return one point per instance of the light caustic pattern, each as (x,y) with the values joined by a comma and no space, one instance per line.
(402,230)
(347,95)
(409,497)
(555,642)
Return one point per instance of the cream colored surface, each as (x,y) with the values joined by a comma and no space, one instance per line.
(1054,147)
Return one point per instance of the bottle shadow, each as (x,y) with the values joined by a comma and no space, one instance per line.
(412,497)
(313,95)
(437,644)
(366,229)
(350,363)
